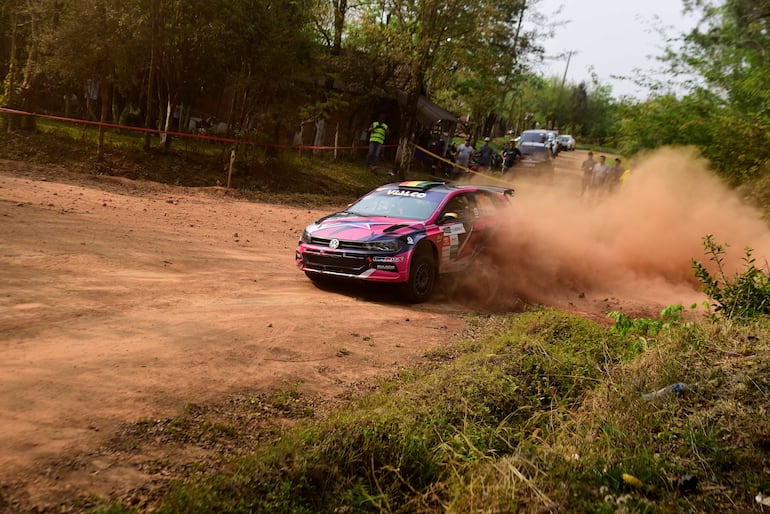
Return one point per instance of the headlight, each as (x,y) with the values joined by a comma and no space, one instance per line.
(305,236)
(385,245)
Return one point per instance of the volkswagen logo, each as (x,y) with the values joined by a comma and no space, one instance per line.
(334,244)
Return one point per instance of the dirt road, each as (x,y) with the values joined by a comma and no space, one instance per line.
(126,300)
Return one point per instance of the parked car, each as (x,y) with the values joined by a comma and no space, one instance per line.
(536,152)
(566,142)
(406,233)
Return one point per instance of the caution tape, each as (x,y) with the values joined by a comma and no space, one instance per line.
(467,170)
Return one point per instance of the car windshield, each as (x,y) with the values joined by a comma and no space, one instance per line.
(396,203)
(533,137)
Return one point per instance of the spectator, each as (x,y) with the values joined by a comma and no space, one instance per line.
(600,174)
(588,171)
(485,156)
(613,177)
(510,155)
(378,131)
(463,155)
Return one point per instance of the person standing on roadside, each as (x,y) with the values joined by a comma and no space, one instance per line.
(510,155)
(463,155)
(588,171)
(485,156)
(613,177)
(378,131)
(600,175)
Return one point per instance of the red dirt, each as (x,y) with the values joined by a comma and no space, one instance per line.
(125,300)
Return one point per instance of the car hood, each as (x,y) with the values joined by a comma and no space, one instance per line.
(362,229)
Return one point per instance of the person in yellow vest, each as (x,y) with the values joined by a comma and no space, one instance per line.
(378,130)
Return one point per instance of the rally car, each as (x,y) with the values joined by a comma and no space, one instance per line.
(406,233)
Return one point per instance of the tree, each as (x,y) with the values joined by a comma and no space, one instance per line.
(729,51)
(24,75)
(483,73)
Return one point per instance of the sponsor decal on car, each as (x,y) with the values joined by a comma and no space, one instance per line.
(401,192)
(454,228)
(388,259)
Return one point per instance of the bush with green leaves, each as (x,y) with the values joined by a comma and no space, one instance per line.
(745,295)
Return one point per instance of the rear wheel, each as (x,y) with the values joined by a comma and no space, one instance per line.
(423,273)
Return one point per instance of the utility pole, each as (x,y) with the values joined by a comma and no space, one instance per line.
(564,77)
(561,88)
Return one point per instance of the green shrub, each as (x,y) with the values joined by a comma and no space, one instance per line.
(746,295)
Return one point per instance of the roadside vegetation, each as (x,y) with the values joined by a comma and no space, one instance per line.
(539,411)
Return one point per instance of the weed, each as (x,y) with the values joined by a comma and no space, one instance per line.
(640,334)
(746,295)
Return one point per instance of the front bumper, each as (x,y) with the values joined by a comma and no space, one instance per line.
(353,264)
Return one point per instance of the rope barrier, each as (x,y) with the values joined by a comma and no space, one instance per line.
(183,134)
(240,141)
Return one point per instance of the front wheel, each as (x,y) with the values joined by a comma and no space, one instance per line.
(423,273)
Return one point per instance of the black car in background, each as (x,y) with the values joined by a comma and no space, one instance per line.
(536,154)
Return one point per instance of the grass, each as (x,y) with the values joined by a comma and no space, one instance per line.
(259,173)
(540,411)
(531,412)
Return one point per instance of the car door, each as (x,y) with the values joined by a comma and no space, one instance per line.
(463,229)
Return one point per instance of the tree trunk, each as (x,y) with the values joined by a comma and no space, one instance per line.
(409,119)
(10,83)
(150,76)
(106,93)
(164,137)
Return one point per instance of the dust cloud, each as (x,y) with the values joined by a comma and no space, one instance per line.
(634,246)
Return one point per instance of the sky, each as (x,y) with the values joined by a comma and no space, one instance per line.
(613,37)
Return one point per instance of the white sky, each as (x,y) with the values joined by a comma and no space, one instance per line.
(612,36)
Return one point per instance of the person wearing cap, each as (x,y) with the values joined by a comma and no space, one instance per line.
(484,159)
(510,155)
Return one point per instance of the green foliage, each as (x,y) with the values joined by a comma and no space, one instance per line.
(744,295)
(725,112)
(641,333)
(670,316)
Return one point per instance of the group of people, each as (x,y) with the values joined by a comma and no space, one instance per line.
(599,177)
(486,156)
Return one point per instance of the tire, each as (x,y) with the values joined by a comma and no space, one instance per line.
(423,274)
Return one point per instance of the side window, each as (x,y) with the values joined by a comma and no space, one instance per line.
(485,204)
(460,205)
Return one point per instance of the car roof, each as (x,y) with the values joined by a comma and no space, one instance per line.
(425,185)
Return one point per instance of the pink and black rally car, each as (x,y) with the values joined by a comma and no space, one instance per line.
(406,233)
